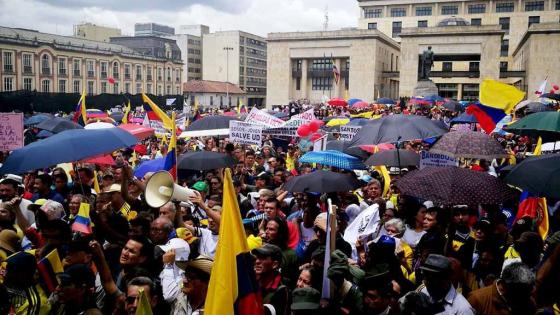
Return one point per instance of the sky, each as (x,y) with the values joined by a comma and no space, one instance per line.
(259,17)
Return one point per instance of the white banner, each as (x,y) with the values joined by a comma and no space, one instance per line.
(169,101)
(320,144)
(436,160)
(259,117)
(245,133)
(307,115)
(348,132)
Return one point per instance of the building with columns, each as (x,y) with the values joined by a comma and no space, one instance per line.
(50,63)
(300,65)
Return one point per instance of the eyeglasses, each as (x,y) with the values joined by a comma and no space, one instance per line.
(131,299)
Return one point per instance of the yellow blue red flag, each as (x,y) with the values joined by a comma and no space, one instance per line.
(48,268)
(156,113)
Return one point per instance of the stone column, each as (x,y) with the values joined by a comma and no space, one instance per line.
(338,88)
(303,81)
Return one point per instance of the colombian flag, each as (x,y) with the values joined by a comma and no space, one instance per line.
(48,268)
(82,222)
(497,100)
(233,288)
(170,162)
(80,111)
(155,113)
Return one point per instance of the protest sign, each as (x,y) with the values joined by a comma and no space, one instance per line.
(436,160)
(348,132)
(259,117)
(307,115)
(320,144)
(245,133)
(11,131)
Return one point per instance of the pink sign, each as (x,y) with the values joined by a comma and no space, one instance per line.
(11,131)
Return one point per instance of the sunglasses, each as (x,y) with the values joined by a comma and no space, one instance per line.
(131,299)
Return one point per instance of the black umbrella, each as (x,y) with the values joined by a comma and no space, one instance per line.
(323,182)
(453,106)
(204,160)
(117,116)
(536,107)
(552,96)
(344,146)
(538,175)
(211,122)
(391,158)
(454,186)
(397,128)
(57,124)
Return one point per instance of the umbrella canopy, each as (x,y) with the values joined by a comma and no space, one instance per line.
(57,124)
(536,107)
(211,122)
(396,128)
(117,116)
(322,182)
(434,98)
(552,96)
(337,122)
(67,146)
(454,186)
(385,101)
(333,158)
(139,131)
(204,160)
(543,124)
(453,106)
(393,157)
(99,125)
(469,144)
(420,101)
(352,101)
(33,120)
(344,146)
(105,159)
(539,175)
(149,166)
(339,102)
(44,134)
(464,118)
(96,113)
(360,105)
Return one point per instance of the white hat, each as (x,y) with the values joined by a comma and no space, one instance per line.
(428,204)
(181,247)
(389,205)
(53,209)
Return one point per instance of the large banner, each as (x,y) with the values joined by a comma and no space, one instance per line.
(245,133)
(436,160)
(259,117)
(348,132)
(11,131)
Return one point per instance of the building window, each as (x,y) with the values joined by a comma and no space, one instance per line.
(27,62)
(211,100)
(372,26)
(27,84)
(8,61)
(504,49)
(103,70)
(534,6)
(61,86)
(504,22)
(476,22)
(159,89)
(149,88)
(127,72)
(503,66)
(90,64)
(159,74)
(127,87)
(61,66)
(8,84)
(115,70)
(476,8)
(138,88)
(168,90)
(76,67)
(504,7)
(373,13)
(534,20)
(321,84)
(138,72)
(90,88)
(46,86)
(116,88)
(103,87)
(449,9)
(46,65)
(474,66)
(221,101)
(168,74)
(423,23)
(149,73)
(423,11)
(77,86)
(447,66)
(397,12)
(298,84)
(177,75)
(397,27)
(557,6)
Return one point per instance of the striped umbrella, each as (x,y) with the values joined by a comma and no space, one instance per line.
(333,158)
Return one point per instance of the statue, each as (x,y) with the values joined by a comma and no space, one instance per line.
(427,62)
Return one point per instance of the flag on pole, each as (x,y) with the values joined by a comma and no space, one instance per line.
(126,113)
(542,87)
(96,183)
(48,268)
(143,307)
(170,163)
(329,248)
(233,287)
(80,114)
(155,113)
(335,71)
(382,170)
(82,222)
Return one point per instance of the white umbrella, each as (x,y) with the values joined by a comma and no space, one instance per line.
(205,133)
(99,125)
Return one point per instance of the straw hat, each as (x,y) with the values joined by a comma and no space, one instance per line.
(201,263)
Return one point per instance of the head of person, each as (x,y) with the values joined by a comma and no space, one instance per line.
(436,272)
(461,216)
(197,276)
(414,211)
(276,231)
(118,174)
(60,181)
(271,208)
(249,159)
(42,184)
(305,301)
(309,276)
(79,252)
(7,216)
(10,243)
(55,232)
(339,270)
(261,181)
(107,180)
(133,289)
(160,229)
(139,226)
(8,189)
(377,292)
(215,184)
(272,162)
(394,227)
(264,195)
(74,203)
(530,246)
(76,285)
(137,251)
(483,230)
(373,189)
(517,282)
(320,227)
(85,175)
(168,211)
(433,219)
(202,188)
(267,260)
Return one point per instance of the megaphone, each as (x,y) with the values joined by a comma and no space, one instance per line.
(161,188)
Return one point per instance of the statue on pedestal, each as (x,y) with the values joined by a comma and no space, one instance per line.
(427,62)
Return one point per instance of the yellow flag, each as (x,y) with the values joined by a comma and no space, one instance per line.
(143,307)
(126,111)
(167,123)
(500,95)
(538,147)
(96,183)
(382,170)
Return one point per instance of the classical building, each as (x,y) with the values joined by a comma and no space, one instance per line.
(213,94)
(189,40)
(152,29)
(49,63)
(300,65)
(239,58)
(94,32)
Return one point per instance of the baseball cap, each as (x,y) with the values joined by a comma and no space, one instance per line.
(437,264)
(37,204)
(268,250)
(305,299)
(53,209)
(200,186)
(181,247)
(79,275)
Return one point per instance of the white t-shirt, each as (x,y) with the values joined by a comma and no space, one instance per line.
(208,242)
(28,214)
(411,237)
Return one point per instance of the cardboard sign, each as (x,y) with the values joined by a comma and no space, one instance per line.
(348,132)
(436,160)
(259,117)
(245,133)
(11,131)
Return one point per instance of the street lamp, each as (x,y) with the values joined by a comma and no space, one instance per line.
(227,49)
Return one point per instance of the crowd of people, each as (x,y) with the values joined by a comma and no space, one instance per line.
(421,257)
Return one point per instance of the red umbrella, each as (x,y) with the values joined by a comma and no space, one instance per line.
(338,102)
(361,105)
(141,149)
(139,131)
(106,159)
(372,148)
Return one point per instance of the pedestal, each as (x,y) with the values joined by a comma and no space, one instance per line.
(425,88)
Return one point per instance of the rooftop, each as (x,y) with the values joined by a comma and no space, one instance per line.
(205,86)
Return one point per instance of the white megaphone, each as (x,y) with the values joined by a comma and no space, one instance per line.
(160,189)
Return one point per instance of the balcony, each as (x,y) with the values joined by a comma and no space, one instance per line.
(46,71)
(138,78)
(27,70)
(115,75)
(91,74)
(127,76)
(76,73)
(8,69)
(390,74)
(62,73)
(103,75)
(511,74)
(455,74)
(322,73)
(296,73)
(149,77)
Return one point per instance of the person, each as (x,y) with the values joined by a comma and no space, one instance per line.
(75,292)
(160,230)
(136,253)
(377,292)
(268,260)
(436,271)
(510,294)
(276,233)
(309,276)
(347,297)
(305,301)
(414,224)
(42,189)
(8,191)
(192,296)
(133,294)
(529,246)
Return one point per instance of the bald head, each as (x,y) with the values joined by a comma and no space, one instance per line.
(160,230)
(168,211)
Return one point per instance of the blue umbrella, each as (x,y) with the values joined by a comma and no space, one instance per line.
(33,120)
(149,166)
(464,118)
(386,101)
(333,158)
(352,101)
(67,146)
(44,134)
(434,98)
(359,122)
